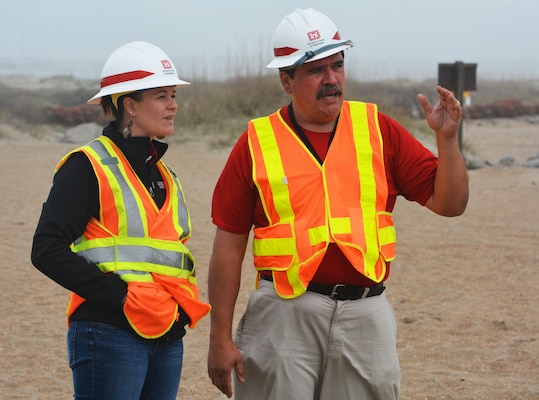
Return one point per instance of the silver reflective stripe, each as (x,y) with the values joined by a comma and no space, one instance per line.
(132,272)
(183,213)
(122,255)
(136,254)
(135,227)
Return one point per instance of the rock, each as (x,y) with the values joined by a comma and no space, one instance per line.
(82,133)
(473,162)
(507,161)
(532,163)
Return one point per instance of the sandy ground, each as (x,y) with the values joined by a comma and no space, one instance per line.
(465,290)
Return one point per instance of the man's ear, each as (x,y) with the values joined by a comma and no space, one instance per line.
(285,81)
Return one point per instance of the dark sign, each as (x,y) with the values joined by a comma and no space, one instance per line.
(449,75)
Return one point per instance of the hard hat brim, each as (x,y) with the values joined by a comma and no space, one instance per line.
(130,87)
(288,61)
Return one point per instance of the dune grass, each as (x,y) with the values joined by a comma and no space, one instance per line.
(218,111)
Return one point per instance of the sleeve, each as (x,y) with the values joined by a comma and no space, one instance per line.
(72,201)
(235,196)
(410,166)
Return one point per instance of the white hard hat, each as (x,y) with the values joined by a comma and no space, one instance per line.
(303,36)
(136,66)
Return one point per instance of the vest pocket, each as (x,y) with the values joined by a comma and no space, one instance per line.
(273,247)
(387,235)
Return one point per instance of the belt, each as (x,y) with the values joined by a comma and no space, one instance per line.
(340,291)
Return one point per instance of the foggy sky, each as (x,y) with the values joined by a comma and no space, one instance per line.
(393,38)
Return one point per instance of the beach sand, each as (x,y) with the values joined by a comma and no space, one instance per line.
(465,290)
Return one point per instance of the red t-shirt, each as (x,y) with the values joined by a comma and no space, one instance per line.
(410,170)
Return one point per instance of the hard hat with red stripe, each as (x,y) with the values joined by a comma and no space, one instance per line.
(304,36)
(136,66)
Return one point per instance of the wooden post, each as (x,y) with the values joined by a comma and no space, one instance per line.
(459,94)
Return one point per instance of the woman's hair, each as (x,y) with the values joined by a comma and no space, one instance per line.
(110,109)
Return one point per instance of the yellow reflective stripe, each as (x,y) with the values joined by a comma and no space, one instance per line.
(137,255)
(340,225)
(274,169)
(387,235)
(318,235)
(254,167)
(364,154)
(127,198)
(189,290)
(135,276)
(274,247)
(182,222)
(128,275)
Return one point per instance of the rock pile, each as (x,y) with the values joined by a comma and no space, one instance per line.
(474,162)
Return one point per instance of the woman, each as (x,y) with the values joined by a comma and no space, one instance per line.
(113,232)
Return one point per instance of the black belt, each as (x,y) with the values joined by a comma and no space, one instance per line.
(339,291)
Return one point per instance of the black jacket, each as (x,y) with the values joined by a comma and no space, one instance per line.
(72,201)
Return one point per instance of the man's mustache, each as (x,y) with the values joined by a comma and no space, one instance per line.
(329,89)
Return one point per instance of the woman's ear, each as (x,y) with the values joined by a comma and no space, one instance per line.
(129,105)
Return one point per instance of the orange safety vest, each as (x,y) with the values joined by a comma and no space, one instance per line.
(141,243)
(309,205)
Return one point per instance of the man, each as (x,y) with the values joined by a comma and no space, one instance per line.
(318,181)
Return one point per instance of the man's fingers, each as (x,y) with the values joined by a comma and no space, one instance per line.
(424,103)
(225,385)
(240,372)
(222,380)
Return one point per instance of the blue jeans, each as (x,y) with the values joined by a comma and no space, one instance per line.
(109,363)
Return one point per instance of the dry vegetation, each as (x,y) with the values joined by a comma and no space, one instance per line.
(218,110)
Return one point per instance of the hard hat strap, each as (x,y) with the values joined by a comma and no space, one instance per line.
(310,54)
(116,96)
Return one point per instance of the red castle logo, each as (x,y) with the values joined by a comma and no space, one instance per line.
(166,64)
(313,35)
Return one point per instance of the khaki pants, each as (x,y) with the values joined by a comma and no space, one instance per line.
(316,348)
